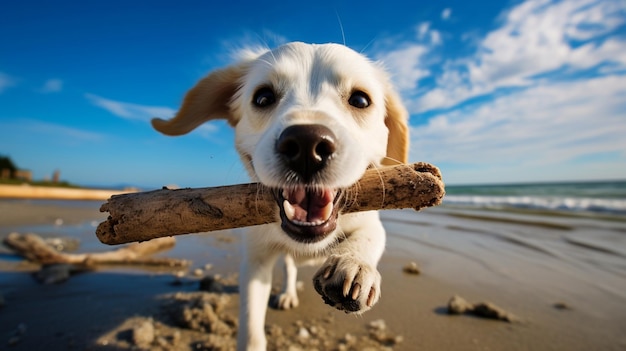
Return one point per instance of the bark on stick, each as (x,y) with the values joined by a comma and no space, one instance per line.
(153,214)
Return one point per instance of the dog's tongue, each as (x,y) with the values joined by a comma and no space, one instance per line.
(307,206)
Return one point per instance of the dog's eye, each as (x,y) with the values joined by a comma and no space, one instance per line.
(359,99)
(264,97)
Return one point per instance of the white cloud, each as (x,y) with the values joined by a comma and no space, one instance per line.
(426,34)
(534,39)
(144,113)
(129,110)
(408,62)
(445,14)
(537,130)
(543,97)
(406,65)
(59,131)
(52,86)
(6,82)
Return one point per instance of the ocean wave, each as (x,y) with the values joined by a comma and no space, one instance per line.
(567,204)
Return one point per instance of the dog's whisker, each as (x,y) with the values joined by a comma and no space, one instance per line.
(343,34)
(396,161)
(382,183)
(368,44)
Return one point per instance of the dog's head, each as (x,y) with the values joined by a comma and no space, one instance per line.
(309,120)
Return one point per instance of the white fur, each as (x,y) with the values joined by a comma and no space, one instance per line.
(312,84)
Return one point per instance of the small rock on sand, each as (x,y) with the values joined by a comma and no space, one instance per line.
(412,268)
(303,333)
(143,334)
(211,284)
(458,305)
(562,306)
(489,310)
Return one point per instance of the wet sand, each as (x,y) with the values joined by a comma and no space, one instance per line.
(563,277)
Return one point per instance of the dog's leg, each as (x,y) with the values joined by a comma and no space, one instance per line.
(255,281)
(289,297)
(349,279)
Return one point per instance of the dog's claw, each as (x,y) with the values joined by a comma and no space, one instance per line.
(355,291)
(327,272)
(371,297)
(347,284)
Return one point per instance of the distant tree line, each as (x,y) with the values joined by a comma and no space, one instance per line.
(7,163)
(11,174)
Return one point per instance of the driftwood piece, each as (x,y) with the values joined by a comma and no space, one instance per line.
(159,213)
(35,249)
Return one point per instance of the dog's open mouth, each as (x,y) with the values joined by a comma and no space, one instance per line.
(308,214)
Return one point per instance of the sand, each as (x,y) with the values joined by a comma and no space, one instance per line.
(562,277)
(27,191)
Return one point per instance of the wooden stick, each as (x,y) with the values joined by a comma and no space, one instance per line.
(159,213)
(34,248)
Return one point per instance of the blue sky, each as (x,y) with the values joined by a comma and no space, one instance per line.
(498,91)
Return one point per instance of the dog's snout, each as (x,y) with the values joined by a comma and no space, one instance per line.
(306,148)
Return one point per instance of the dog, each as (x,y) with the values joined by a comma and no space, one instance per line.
(309,120)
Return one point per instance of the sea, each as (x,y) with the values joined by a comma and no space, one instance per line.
(593,198)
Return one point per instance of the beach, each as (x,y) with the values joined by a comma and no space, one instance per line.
(562,275)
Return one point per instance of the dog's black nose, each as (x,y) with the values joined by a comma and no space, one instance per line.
(306,148)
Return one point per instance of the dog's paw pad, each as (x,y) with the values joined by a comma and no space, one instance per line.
(348,285)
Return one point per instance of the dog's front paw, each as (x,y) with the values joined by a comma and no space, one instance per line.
(286,301)
(347,284)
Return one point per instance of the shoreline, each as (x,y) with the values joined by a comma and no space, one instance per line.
(27,191)
(520,264)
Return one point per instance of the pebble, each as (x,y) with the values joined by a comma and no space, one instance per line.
(489,310)
(378,324)
(180,274)
(412,268)
(303,333)
(558,306)
(458,305)
(143,334)
(349,339)
(211,284)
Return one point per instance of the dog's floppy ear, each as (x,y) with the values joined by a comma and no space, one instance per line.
(396,121)
(209,99)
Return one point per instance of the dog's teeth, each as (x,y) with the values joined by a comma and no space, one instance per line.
(327,211)
(290,212)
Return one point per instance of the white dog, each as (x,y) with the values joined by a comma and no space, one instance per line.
(309,120)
